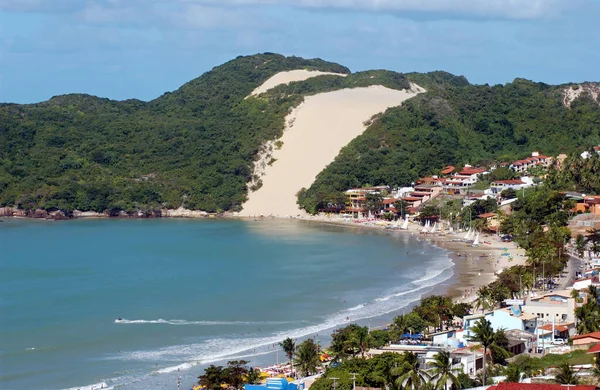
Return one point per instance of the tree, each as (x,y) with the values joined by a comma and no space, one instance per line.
(484,335)
(378,338)
(373,203)
(235,372)
(410,374)
(566,375)
(253,376)
(361,339)
(484,299)
(443,372)
(508,193)
(212,378)
(580,244)
(461,309)
(307,357)
(401,207)
(289,346)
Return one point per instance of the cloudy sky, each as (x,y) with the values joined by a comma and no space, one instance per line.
(142,48)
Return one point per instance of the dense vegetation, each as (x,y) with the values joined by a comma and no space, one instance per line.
(456,123)
(193,147)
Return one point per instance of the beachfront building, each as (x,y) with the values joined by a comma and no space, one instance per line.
(492,221)
(535,160)
(557,307)
(356,198)
(585,283)
(509,318)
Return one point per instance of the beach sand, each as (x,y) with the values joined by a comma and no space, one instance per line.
(288,77)
(315,133)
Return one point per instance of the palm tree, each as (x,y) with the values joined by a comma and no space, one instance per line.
(289,346)
(411,375)
(484,335)
(566,375)
(360,339)
(484,298)
(588,317)
(443,371)
(307,357)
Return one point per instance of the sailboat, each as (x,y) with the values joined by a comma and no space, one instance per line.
(476,242)
(468,234)
(426,227)
(433,228)
(405,224)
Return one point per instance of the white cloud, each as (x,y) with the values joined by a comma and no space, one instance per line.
(512,9)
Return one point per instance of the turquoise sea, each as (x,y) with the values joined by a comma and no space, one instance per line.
(190,292)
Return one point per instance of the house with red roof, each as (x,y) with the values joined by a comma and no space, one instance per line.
(596,351)
(536,159)
(586,339)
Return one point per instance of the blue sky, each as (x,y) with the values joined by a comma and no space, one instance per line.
(142,48)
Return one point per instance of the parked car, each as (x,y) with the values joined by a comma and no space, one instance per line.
(559,341)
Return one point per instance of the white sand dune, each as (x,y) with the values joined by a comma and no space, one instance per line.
(288,77)
(316,131)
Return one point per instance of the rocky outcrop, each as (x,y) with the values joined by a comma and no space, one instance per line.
(12,212)
(574,92)
(184,213)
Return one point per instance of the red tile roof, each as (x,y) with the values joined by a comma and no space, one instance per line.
(595,349)
(487,215)
(471,171)
(560,328)
(389,201)
(536,386)
(509,182)
(448,169)
(594,335)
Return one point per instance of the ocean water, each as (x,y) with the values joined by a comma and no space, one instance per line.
(190,293)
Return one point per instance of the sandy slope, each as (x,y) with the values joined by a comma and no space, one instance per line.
(288,77)
(316,131)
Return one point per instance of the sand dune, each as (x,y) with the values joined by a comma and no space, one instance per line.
(288,77)
(316,131)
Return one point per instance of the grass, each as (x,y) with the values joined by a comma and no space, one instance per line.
(574,358)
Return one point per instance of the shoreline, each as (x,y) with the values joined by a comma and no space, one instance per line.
(473,266)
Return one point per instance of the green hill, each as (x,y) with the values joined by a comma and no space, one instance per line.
(456,123)
(195,147)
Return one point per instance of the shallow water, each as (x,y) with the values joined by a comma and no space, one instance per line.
(190,292)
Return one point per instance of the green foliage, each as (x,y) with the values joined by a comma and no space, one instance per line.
(307,357)
(193,147)
(456,123)
(577,174)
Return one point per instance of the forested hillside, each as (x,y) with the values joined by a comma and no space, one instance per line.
(195,147)
(456,123)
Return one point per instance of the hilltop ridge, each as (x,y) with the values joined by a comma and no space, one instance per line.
(196,147)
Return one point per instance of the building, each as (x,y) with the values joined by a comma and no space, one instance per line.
(535,160)
(557,307)
(510,318)
(467,359)
(497,186)
(356,197)
(586,339)
(596,351)
(591,204)
(493,222)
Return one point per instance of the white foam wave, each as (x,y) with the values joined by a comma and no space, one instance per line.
(205,323)
(357,307)
(214,350)
(219,349)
